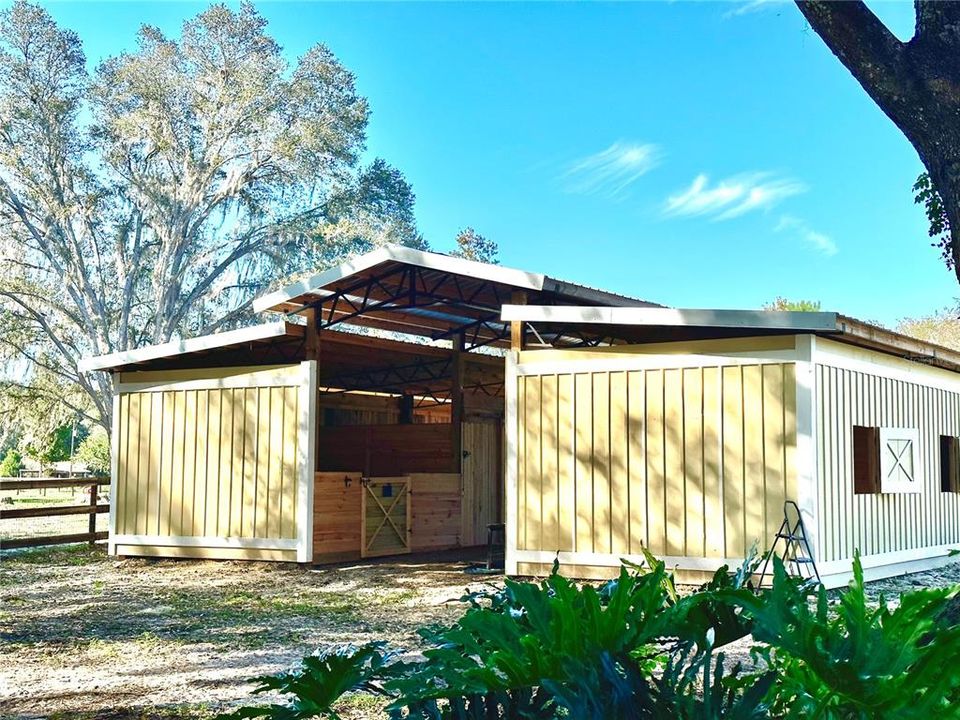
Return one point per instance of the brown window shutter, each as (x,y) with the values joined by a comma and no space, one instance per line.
(866,460)
(949,464)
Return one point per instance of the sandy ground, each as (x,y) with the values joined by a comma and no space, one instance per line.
(83,634)
(86,636)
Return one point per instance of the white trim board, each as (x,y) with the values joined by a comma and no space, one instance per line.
(511,429)
(674,317)
(205,541)
(306,459)
(618,362)
(284,377)
(678,562)
(840,355)
(183,347)
(114,470)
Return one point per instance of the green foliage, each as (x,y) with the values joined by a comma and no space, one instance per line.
(635,649)
(11,464)
(471,245)
(781,303)
(924,193)
(94,452)
(56,446)
(855,661)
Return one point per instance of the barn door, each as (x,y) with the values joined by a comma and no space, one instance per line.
(482,486)
(385,516)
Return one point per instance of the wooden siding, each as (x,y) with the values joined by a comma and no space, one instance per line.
(687,462)
(875,523)
(434,520)
(215,462)
(386,449)
(482,480)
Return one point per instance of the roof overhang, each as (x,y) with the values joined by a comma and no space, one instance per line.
(674,317)
(245,337)
(428,294)
(646,325)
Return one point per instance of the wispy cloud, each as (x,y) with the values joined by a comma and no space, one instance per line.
(733,196)
(746,7)
(611,171)
(817,240)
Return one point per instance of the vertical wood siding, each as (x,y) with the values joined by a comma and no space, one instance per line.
(878,523)
(208,462)
(683,461)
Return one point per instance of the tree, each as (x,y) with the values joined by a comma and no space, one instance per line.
(782,303)
(94,452)
(157,196)
(917,84)
(471,245)
(11,464)
(940,328)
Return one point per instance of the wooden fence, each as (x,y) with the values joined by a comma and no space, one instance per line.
(92,509)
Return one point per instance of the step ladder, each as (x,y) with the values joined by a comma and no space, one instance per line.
(796,553)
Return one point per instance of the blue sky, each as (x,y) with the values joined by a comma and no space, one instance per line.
(692,153)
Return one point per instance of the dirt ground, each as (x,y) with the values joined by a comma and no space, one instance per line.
(84,636)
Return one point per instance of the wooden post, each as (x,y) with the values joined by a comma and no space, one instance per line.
(406,409)
(517,297)
(456,401)
(92,522)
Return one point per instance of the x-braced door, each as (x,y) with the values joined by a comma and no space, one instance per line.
(385,514)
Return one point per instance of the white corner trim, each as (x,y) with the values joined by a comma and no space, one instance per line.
(114,470)
(674,317)
(511,429)
(206,541)
(805,458)
(306,455)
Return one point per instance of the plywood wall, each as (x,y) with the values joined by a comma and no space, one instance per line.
(482,469)
(386,449)
(690,462)
(218,462)
(881,523)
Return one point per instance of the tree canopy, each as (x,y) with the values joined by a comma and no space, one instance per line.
(471,245)
(156,195)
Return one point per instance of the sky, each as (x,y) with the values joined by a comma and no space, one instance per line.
(695,154)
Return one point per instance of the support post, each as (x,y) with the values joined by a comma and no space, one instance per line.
(517,329)
(92,523)
(456,401)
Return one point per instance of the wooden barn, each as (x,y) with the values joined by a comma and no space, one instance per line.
(686,433)
(297,440)
(593,424)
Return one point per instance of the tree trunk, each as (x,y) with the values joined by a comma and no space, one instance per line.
(915,83)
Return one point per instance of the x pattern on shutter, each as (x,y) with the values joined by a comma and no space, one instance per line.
(900,470)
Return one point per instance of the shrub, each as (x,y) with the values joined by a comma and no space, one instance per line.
(11,464)
(94,452)
(634,649)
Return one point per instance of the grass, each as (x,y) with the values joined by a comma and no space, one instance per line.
(77,554)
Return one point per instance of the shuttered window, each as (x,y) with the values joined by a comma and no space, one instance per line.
(949,464)
(866,460)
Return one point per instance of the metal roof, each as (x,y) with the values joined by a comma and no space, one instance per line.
(244,337)
(429,294)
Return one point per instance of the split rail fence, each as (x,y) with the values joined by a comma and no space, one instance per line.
(91,508)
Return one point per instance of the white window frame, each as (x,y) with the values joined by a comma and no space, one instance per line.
(893,466)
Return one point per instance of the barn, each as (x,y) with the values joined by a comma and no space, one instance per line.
(366,421)
(405,400)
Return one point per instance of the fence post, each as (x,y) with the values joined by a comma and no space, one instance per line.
(92,524)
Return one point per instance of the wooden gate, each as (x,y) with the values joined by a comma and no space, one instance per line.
(385,516)
(482,469)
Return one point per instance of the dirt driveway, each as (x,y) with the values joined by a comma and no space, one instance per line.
(84,635)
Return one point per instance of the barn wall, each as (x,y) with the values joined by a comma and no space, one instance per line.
(210,462)
(383,450)
(855,386)
(691,457)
